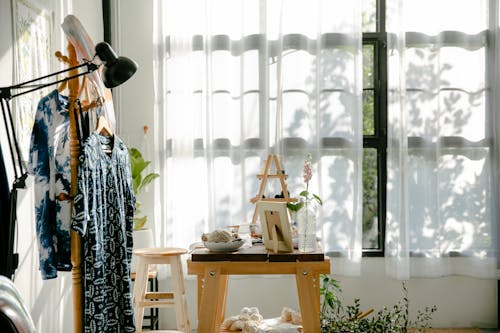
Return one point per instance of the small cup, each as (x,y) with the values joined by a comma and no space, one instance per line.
(234,230)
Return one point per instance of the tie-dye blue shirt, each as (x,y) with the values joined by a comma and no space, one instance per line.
(50,164)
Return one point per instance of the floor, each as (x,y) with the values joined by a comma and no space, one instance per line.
(457,330)
(462,330)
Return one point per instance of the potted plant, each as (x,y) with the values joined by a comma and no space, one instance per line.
(143,237)
(338,318)
(139,183)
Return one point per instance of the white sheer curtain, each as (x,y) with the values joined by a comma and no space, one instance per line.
(440,193)
(239,79)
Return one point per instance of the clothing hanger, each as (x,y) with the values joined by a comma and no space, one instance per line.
(103,126)
(104,129)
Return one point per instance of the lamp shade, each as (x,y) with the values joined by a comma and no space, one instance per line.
(116,69)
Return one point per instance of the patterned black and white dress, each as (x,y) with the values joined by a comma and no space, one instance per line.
(103,214)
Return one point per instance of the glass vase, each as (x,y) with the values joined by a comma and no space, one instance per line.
(306,224)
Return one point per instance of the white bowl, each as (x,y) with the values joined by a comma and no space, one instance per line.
(224,246)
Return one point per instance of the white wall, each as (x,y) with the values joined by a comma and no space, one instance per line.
(133,100)
(6,44)
(6,56)
(461,301)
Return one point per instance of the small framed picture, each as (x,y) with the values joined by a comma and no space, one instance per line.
(275,226)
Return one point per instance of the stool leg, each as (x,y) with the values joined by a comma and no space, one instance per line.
(181,311)
(156,310)
(140,287)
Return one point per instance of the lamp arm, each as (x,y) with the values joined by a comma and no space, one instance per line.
(6,95)
(11,137)
(6,92)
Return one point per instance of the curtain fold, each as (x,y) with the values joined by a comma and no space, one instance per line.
(237,80)
(441,151)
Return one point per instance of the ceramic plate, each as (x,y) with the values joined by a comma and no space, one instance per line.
(224,247)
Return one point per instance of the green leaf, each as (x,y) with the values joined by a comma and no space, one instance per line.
(304,193)
(139,183)
(139,222)
(318,198)
(134,153)
(136,182)
(138,166)
(330,300)
(137,162)
(295,206)
(146,181)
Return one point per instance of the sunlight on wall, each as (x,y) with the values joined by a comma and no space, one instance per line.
(6,62)
(50,301)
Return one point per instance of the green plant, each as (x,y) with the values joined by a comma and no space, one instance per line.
(337,318)
(139,183)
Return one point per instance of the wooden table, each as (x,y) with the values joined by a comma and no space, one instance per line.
(213,270)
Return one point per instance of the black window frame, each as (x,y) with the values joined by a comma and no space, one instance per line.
(378,140)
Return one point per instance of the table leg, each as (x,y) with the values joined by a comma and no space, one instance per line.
(222,297)
(308,292)
(213,300)
(200,291)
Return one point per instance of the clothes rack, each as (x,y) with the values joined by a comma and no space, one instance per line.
(76,241)
(115,71)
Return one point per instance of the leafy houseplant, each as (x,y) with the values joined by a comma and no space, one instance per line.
(139,183)
(335,318)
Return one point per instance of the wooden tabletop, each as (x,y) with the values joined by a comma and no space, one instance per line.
(256,253)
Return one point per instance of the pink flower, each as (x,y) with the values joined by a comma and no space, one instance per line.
(306,197)
(307,169)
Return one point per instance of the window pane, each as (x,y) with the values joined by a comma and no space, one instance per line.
(368,113)
(368,60)
(368,90)
(369,16)
(370,200)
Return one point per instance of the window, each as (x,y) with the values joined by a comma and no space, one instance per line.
(404,130)
(374,126)
(243,85)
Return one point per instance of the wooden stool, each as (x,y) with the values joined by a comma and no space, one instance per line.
(176,298)
(153,316)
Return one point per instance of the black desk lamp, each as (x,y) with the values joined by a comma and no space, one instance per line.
(116,71)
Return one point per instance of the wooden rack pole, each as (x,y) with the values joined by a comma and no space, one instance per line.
(76,242)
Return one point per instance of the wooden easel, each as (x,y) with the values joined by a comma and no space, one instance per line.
(264,176)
